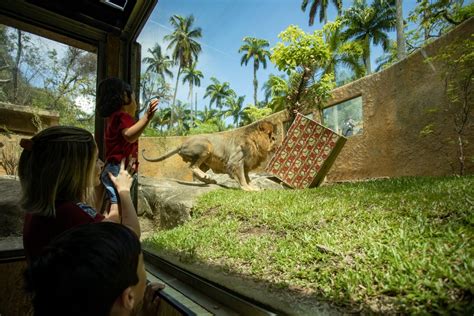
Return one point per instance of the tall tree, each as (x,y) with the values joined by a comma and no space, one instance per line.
(345,53)
(70,76)
(158,63)
(323,6)
(161,118)
(183,43)
(182,116)
(207,114)
(370,24)
(218,92)
(401,45)
(193,76)
(276,90)
(236,106)
(254,48)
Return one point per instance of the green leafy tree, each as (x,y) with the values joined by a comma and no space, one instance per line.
(158,63)
(348,54)
(151,85)
(252,114)
(69,77)
(300,54)
(323,6)
(21,63)
(255,49)
(369,24)
(235,108)
(207,114)
(192,76)
(183,43)
(388,58)
(276,92)
(457,62)
(182,115)
(161,118)
(434,18)
(218,92)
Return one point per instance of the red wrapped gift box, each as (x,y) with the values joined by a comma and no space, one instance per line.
(306,154)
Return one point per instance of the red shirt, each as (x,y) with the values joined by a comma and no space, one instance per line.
(38,231)
(116,147)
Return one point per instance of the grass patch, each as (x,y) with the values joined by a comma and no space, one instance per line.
(404,243)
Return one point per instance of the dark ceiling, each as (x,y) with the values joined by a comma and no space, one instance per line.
(95,13)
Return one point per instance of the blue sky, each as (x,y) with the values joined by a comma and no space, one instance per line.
(224,24)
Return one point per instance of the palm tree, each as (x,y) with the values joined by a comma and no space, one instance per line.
(207,115)
(276,90)
(236,105)
(401,46)
(346,53)
(388,57)
(193,77)
(218,92)
(182,115)
(158,63)
(255,48)
(185,48)
(161,118)
(369,24)
(323,6)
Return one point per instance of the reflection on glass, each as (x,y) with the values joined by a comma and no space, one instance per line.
(345,118)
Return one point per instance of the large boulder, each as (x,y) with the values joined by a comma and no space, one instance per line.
(167,203)
(11,214)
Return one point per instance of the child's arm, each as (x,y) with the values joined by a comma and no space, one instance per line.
(122,183)
(132,133)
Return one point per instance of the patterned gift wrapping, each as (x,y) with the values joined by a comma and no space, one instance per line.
(306,154)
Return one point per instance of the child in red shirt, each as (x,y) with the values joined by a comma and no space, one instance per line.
(116,102)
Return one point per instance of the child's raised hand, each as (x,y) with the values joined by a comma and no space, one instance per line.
(123,180)
(152,107)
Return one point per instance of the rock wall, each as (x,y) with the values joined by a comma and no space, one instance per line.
(396,106)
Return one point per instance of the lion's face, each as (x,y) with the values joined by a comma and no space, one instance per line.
(269,130)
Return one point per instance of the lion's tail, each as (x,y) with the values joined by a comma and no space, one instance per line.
(161,158)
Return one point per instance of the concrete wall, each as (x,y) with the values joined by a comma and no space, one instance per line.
(396,102)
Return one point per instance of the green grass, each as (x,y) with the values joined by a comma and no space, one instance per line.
(405,243)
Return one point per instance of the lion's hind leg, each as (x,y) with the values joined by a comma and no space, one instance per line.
(197,152)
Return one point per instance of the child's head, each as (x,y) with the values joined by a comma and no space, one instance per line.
(112,95)
(86,269)
(57,163)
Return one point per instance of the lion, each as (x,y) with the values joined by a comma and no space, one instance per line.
(235,156)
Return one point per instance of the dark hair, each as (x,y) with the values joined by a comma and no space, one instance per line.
(56,163)
(83,270)
(112,94)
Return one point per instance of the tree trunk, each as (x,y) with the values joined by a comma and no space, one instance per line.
(367,56)
(191,101)
(174,95)
(401,47)
(255,82)
(16,67)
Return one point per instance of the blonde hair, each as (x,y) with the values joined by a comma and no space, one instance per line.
(58,163)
